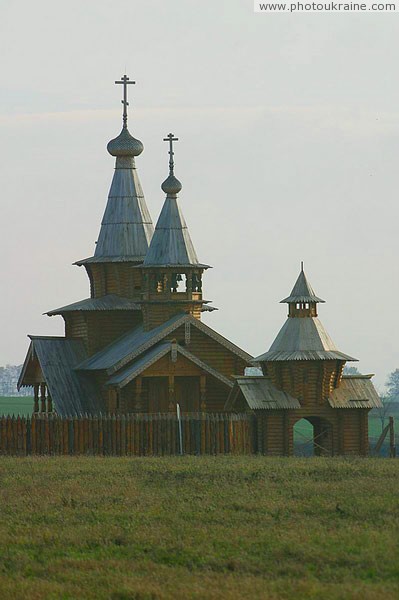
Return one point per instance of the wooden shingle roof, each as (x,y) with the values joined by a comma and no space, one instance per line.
(260,394)
(302,291)
(126,228)
(151,356)
(303,339)
(137,341)
(108,302)
(72,393)
(355,391)
(171,243)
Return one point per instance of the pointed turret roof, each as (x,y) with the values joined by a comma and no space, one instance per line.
(302,291)
(171,243)
(126,227)
(303,337)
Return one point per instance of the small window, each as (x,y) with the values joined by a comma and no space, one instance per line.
(307,305)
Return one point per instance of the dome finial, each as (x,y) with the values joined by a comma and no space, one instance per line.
(171,186)
(125,145)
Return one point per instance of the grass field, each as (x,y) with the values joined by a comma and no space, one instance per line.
(16,405)
(204,528)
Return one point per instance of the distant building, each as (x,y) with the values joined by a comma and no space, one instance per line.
(303,379)
(138,343)
(9,382)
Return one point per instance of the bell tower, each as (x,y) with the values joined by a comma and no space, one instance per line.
(172,274)
(302,302)
(303,360)
(126,228)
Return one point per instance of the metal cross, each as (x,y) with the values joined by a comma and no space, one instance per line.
(125,82)
(170,138)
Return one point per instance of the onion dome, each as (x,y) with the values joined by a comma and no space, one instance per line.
(125,145)
(171,186)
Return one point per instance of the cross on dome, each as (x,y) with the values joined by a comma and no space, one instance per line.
(171,186)
(125,81)
(170,138)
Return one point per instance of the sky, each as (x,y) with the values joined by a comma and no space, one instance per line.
(288,129)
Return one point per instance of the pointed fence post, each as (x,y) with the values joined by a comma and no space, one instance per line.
(392,447)
(179,429)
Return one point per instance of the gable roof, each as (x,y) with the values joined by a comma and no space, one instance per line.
(260,394)
(303,339)
(137,341)
(302,291)
(151,356)
(126,227)
(71,392)
(355,391)
(129,346)
(108,302)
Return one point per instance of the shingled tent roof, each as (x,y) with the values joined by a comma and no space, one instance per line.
(171,243)
(126,227)
(303,337)
(302,291)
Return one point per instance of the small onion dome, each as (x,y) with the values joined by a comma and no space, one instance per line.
(125,145)
(171,186)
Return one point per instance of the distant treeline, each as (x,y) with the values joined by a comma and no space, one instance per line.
(9,379)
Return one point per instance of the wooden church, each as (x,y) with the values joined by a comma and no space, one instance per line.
(138,343)
(303,379)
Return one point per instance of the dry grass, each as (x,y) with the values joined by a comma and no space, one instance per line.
(226,527)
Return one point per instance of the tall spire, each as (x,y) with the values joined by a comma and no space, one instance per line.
(126,227)
(171,244)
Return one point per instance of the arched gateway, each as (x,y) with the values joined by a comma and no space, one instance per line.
(303,379)
(314,440)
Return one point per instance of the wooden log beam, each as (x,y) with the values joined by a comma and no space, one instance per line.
(43,397)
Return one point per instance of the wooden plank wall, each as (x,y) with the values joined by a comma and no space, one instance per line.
(127,435)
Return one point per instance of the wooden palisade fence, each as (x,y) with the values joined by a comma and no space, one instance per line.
(127,435)
(390,428)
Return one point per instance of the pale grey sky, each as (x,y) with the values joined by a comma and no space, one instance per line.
(289,131)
